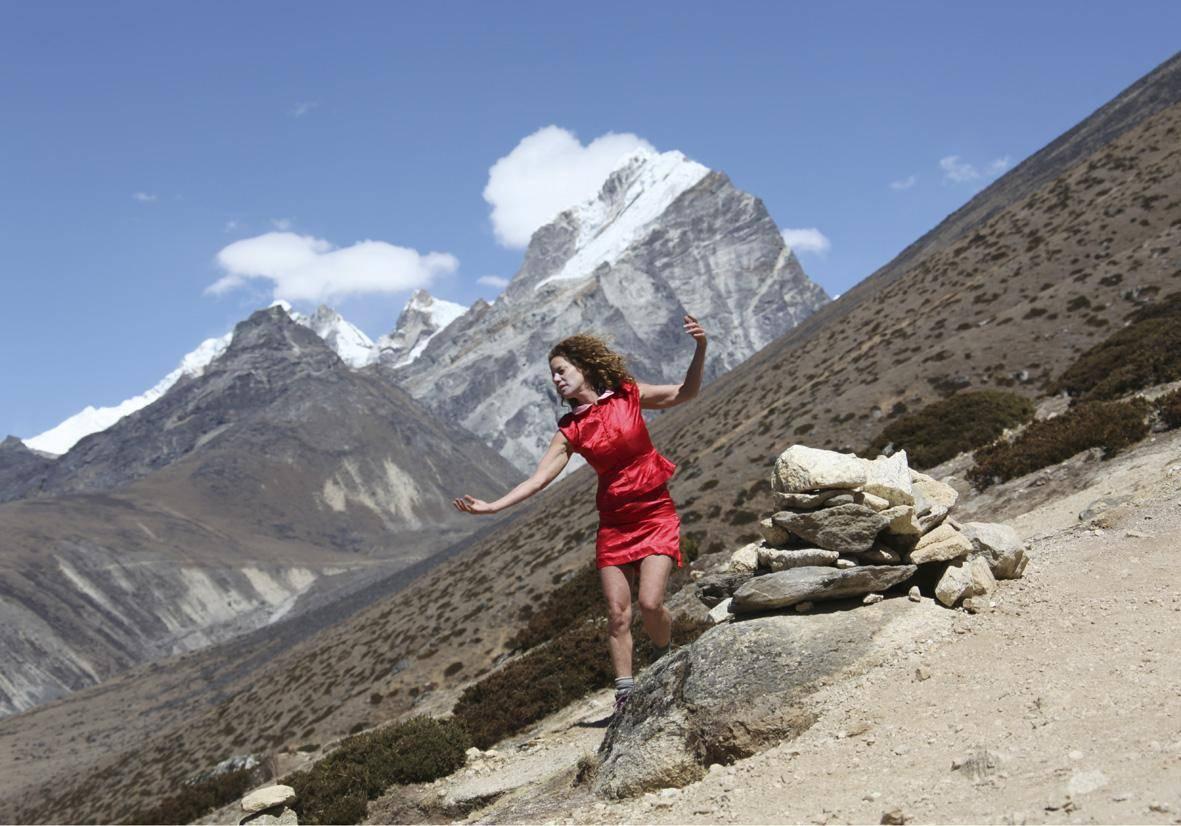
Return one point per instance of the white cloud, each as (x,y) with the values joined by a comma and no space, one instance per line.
(806,240)
(546,173)
(303,107)
(304,268)
(492,281)
(905,183)
(957,172)
(145,197)
(998,166)
(282,224)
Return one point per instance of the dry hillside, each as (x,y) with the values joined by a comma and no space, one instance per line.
(1006,302)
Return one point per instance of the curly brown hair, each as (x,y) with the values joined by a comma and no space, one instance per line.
(602,366)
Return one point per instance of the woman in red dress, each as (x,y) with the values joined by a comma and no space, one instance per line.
(638,542)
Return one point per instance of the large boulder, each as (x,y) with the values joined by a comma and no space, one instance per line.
(1000,545)
(739,688)
(815,584)
(801,469)
(844,528)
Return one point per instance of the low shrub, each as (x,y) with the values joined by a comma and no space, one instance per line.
(964,421)
(571,602)
(195,800)
(337,789)
(1169,409)
(548,678)
(1146,352)
(1111,426)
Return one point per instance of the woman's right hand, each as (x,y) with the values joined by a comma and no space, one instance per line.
(470,504)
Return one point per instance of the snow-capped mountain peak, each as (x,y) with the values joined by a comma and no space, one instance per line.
(638,192)
(423,317)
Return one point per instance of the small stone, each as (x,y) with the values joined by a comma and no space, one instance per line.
(267,797)
(914,594)
(1161,808)
(845,563)
(1136,535)
(976,605)
(773,535)
(1121,797)
(746,558)
(1076,755)
(872,599)
(894,817)
(721,612)
(922,673)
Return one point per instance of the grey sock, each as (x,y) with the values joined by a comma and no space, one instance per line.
(624,685)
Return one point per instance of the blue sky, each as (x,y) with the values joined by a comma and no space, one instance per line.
(140,139)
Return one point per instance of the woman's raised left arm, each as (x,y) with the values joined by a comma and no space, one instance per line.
(658,396)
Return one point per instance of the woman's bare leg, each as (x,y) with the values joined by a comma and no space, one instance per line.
(617,581)
(654,571)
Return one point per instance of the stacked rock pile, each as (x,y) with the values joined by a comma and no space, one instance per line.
(849,527)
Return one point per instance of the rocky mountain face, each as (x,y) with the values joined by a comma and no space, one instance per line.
(212,510)
(19,466)
(664,237)
(420,320)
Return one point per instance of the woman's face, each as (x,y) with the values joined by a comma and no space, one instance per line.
(567,378)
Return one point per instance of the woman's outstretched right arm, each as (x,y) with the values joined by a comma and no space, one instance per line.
(551,464)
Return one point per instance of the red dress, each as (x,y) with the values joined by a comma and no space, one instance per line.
(637,517)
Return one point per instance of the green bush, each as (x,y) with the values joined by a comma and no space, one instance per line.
(418,750)
(1169,409)
(941,430)
(1146,352)
(1111,426)
(195,800)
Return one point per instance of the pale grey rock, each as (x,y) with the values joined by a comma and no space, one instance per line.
(932,499)
(879,554)
(964,578)
(746,558)
(780,559)
(843,563)
(720,612)
(914,594)
(1101,506)
(772,534)
(857,497)
(800,469)
(805,501)
(713,588)
(786,588)
(940,545)
(903,521)
(872,599)
(266,797)
(844,528)
(739,688)
(889,478)
(1000,545)
(977,604)
(279,816)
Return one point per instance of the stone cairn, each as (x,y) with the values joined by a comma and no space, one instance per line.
(849,527)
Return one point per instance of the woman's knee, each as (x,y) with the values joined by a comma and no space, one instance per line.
(619,618)
(651,604)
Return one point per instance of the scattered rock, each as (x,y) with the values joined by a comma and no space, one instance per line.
(720,612)
(267,797)
(786,588)
(976,605)
(801,469)
(845,563)
(1000,545)
(923,673)
(1086,782)
(872,599)
(914,594)
(964,579)
(895,817)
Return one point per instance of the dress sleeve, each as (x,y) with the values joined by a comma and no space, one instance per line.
(569,428)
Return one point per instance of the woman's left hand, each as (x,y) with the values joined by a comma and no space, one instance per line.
(694,329)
